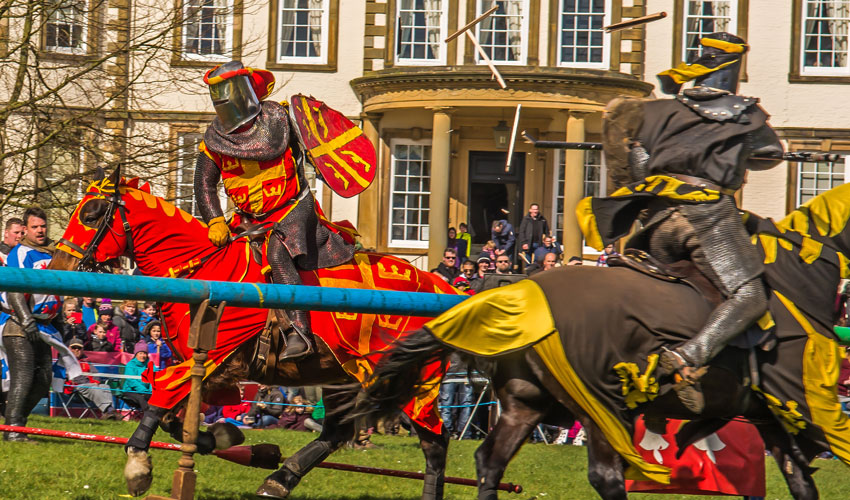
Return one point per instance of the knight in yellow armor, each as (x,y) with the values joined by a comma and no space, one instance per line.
(252,148)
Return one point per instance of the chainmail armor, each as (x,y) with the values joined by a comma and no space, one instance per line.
(265,140)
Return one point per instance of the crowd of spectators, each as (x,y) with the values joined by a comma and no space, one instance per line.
(271,407)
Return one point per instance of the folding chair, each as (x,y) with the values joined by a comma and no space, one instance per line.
(67,402)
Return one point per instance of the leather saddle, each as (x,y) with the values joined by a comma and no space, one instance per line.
(256,234)
(683,271)
(686,273)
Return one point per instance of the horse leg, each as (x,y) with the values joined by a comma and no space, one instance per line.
(218,436)
(523,407)
(138,472)
(435,447)
(335,433)
(604,465)
(789,458)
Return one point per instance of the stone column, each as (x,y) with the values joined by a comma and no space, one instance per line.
(438,205)
(573,185)
(369,207)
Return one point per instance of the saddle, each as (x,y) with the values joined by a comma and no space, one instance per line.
(267,352)
(686,273)
(683,271)
(256,234)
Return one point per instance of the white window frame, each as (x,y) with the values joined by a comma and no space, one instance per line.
(228,37)
(560,166)
(185,161)
(526,22)
(83,35)
(814,70)
(405,243)
(606,40)
(733,24)
(444,48)
(323,57)
(835,179)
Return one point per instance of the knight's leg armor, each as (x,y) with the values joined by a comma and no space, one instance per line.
(299,338)
(717,243)
(21,357)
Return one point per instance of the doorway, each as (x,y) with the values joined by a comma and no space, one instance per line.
(492,190)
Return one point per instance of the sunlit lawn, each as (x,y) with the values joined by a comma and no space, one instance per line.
(57,468)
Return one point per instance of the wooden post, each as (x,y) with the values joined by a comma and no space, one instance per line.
(202,338)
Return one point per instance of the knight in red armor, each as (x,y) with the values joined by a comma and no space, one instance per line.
(253,148)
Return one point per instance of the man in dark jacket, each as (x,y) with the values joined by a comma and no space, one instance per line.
(268,406)
(502,234)
(532,230)
(447,269)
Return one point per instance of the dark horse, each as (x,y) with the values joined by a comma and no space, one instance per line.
(582,343)
(118,217)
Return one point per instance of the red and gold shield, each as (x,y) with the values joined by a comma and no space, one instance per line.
(341,152)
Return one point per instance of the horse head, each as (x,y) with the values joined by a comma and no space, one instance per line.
(826,215)
(119,217)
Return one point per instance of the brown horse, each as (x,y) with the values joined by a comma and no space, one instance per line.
(123,218)
(582,343)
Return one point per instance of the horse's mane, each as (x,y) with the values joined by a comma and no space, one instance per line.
(141,191)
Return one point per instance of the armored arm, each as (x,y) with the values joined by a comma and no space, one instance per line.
(207,176)
(18,302)
(764,143)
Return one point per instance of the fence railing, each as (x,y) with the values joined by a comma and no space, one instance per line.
(235,294)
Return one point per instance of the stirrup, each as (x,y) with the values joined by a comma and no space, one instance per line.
(289,353)
(686,377)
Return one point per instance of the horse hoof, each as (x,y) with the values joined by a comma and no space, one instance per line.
(272,489)
(138,472)
(226,435)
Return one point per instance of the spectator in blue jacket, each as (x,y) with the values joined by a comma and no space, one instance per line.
(135,392)
(153,337)
(503,235)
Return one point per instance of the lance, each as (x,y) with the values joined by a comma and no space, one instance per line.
(263,456)
(798,156)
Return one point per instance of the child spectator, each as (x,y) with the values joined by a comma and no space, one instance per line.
(147,315)
(135,392)
(153,337)
(73,324)
(127,321)
(113,335)
(463,234)
(238,414)
(297,417)
(99,342)
(489,251)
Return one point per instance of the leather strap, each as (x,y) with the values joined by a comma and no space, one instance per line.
(268,349)
(703,183)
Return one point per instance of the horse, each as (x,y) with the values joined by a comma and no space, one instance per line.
(119,217)
(583,343)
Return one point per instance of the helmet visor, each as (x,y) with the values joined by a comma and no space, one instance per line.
(235,102)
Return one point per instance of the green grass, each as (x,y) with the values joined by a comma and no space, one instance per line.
(58,468)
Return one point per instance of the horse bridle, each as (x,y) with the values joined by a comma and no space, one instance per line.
(87,261)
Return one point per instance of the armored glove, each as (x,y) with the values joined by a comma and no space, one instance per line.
(30,328)
(219,233)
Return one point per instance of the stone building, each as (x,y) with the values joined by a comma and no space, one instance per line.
(440,122)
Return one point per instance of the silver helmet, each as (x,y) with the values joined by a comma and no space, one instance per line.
(234,99)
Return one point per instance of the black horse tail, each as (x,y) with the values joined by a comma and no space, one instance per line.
(397,378)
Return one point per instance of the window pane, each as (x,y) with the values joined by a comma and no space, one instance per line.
(825,37)
(816,178)
(500,34)
(704,17)
(594,172)
(206,27)
(301,28)
(187,155)
(582,40)
(409,199)
(66,27)
(419,30)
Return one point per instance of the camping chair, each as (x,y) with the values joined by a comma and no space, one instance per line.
(67,402)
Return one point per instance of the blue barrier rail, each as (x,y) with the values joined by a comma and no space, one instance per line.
(235,294)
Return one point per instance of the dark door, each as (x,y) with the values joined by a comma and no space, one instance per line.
(492,190)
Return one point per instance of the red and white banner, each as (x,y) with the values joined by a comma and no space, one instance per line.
(728,462)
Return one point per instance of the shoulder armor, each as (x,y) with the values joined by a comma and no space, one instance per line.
(719,109)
